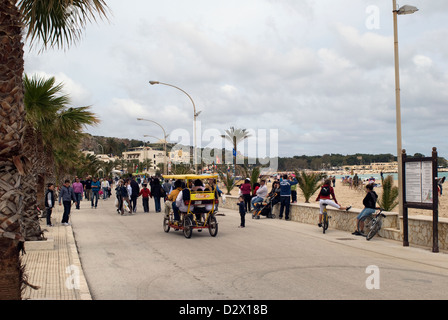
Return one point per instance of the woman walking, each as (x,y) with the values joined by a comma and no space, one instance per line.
(156,191)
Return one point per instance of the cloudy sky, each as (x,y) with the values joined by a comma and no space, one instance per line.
(315,77)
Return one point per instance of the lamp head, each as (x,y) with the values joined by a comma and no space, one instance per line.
(154,82)
(407,9)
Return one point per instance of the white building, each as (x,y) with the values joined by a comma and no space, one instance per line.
(142,153)
(179,157)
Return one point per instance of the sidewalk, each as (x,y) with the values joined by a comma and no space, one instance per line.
(54,265)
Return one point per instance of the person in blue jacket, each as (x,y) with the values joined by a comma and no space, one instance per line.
(285,195)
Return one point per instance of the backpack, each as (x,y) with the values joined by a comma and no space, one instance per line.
(325,191)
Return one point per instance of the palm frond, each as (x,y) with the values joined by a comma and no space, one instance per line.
(43,99)
(308,183)
(228,180)
(389,198)
(59,23)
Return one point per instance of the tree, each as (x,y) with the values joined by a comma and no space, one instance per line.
(389,197)
(49,22)
(228,180)
(235,136)
(309,183)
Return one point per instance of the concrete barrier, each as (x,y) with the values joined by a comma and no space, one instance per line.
(420,227)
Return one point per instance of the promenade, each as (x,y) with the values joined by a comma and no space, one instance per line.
(54,265)
(111,243)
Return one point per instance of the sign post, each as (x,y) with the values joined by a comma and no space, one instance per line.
(419,187)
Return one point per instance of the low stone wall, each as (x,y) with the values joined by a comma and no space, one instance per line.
(420,227)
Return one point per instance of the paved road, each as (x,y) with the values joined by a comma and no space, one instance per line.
(131,257)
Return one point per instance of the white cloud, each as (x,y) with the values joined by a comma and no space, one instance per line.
(313,70)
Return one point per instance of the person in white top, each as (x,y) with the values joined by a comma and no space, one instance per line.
(180,203)
(105,186)
(262,192)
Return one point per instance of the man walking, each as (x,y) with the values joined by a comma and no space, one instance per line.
(135,193)
(96,186)
(67,195)
(285,195)
(79,190)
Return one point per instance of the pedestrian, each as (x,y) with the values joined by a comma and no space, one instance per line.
(96,186)
(285,195)
(439,184)
(128,198)
(78,190)
(135,192)
(156,191)
(245,190)
(242,209)
(105,186)
(88,188)
(118,194)
(326,196)
(66,196)
(145,193)
(49,202)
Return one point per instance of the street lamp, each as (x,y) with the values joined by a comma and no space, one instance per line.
(195,115)
(164,145)
(406,9)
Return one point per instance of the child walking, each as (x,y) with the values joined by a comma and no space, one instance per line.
(49,202)
(145,193)
(242,207)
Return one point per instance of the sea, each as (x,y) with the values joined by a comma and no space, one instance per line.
(377,176)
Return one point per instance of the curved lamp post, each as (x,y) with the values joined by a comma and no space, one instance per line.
(195,115)
(406,9)
(164,144)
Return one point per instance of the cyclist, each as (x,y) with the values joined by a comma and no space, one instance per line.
(369,202)
(325,197)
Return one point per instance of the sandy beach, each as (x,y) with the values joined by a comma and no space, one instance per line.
(347,196)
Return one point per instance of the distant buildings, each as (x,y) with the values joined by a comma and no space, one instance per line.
(145,153)
(386,167)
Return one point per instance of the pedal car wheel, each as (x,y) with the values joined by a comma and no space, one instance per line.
(166,224)
(212,226)
(188,227)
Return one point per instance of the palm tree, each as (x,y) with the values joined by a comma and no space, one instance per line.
(228,181)
(235,136)
(308,183)
(389,197)
(59,125)
(181,169)
(49,22)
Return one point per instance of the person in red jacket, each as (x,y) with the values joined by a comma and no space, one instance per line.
(327,196)
(145,193)
(245,190)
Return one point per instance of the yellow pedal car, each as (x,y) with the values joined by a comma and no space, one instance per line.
(200,207)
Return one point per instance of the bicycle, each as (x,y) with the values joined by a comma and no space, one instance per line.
(325,218)
(371,224)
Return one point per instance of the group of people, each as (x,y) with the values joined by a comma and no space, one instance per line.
(128,191)
(281,192)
